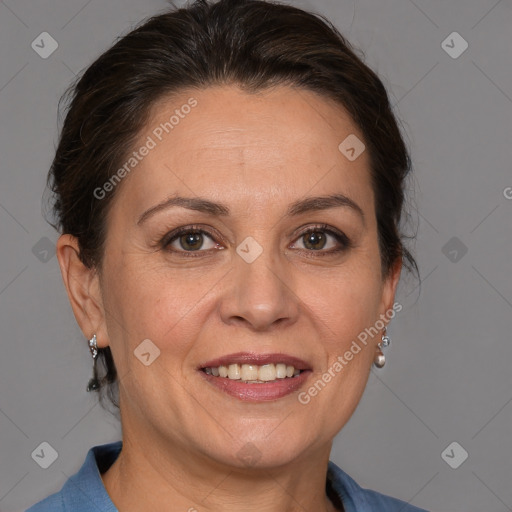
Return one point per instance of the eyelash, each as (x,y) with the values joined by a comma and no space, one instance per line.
(340,237)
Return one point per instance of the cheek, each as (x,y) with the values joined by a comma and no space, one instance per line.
(156,305)
(346,300)
(346,307)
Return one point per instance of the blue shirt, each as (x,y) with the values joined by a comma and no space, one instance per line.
(85,492)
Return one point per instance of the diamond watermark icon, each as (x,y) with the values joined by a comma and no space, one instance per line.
(45,455)
(454,249)
(249,454)
(454,45)
(44,250)
(454,455)
(249,250)
(352,147)
(44,45)
(146,352)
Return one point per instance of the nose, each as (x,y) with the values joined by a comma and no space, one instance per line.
(260,294)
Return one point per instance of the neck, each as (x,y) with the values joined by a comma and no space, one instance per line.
(145,476)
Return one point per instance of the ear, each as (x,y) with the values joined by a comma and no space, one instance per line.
(83,288)
(389,287)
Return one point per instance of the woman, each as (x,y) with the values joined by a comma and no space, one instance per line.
(229,186)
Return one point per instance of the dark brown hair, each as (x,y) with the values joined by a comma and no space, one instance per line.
(254,44)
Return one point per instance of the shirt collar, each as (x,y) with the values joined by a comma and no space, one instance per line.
(84,491)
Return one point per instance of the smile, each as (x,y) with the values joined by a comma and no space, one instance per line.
(254,374)
(256,377)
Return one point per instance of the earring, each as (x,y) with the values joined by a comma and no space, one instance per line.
(94,383)
(380,358)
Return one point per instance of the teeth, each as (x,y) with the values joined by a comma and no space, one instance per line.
(267,372)
(249,372)
(252,373)
(280,371)
(234,371)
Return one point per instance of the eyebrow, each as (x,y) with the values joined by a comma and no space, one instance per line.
(309,204)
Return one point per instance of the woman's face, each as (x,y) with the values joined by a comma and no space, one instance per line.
(260,270)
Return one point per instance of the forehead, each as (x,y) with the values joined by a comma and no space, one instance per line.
(272,145)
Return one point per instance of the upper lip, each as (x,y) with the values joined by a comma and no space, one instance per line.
(256,359)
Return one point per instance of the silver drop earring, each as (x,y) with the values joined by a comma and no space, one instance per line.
(94,382)
(380,358)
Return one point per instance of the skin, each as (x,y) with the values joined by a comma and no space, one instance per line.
(255,153)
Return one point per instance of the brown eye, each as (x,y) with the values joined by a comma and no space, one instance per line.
(189,240)
(323,240)
(314,240)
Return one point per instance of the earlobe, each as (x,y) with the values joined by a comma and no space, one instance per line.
(83,289)
(390,285)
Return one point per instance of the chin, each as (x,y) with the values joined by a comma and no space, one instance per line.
(261,452)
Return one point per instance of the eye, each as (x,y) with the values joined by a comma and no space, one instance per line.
(189,239)
(317,239)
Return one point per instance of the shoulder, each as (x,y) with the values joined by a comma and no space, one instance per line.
(84,490)
(53,503)
(383,503)
(355,498)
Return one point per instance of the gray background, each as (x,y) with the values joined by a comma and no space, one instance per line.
(448,376)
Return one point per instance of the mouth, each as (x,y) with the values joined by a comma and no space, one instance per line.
(256,377)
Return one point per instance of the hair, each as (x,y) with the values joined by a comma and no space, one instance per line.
(251,43)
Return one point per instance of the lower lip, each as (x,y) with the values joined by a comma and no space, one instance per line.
(258,392)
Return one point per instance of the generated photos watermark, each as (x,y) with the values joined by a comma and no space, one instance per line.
(304,397)
(157,135)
